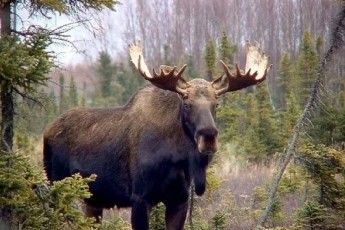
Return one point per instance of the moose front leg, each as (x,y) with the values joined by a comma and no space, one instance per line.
(175,216)
(140,214)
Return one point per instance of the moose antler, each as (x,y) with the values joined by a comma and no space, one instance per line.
(256,62)
(167,78)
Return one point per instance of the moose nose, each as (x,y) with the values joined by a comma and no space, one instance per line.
(206,140)
(209,133)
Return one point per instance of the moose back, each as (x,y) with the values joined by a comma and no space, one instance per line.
(151,149)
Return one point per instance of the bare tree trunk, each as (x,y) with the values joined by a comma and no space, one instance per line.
(314,99)
(6,94)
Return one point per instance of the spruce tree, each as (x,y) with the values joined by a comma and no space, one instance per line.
(73,93)
(106,71)
(25,60)
(63,105)
(306,67)
(267,129)
(285,79)
(210,59)
(226,50)
(250,140)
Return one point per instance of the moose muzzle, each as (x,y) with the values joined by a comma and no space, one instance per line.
(206,140)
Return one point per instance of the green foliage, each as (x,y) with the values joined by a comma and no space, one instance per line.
(266,130)
(289,116)
(210,59)
(73,93)
(157,217)
(312,216)
(325,165)
(106,72)
(306,67)
(286,80)
(115,223)
(226,49)
(73,8)
(191,72)
(27,200)
(260,198)
(24,63)
(219,220)
(63,102)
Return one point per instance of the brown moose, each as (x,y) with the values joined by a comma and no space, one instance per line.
(151,149)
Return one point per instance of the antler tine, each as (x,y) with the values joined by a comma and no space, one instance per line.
(180,72)
(137,58)
(167,78)
(163,73)
(256,62)
(226,69)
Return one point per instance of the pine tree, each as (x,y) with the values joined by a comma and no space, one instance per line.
(285,79)
(25,61)
(267,130)
(106,72)
(289,116)
(73,93)
(210,59)
(306,67)
(191,72)
(63,105)
(250,140)
(226,50)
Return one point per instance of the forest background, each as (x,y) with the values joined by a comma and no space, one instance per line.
(255,124)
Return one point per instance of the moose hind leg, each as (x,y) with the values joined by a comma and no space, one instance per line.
(97,213)
(175,216)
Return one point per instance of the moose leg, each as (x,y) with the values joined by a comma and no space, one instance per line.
(140,215)
(175,216)
(97,213)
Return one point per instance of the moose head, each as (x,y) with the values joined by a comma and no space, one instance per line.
(198,96)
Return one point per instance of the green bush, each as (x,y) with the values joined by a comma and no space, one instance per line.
(28,201)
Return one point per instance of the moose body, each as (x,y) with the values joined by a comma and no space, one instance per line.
(147,151)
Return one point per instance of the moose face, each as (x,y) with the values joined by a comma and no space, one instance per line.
(198,115)
(198,96)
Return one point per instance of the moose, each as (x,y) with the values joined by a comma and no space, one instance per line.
(151,149)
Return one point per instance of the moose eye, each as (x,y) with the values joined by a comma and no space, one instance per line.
(217,106)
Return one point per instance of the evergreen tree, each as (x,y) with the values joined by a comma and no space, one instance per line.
(289,116)
(63,105)
(325,166)
(51,107)
(306,67)
(267,130)
(129,82)
(25,61)
(231,117)
(285,79)
(210,59)
(106,72)
(73,93)
(191,72)
(252,143)
(226,50)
